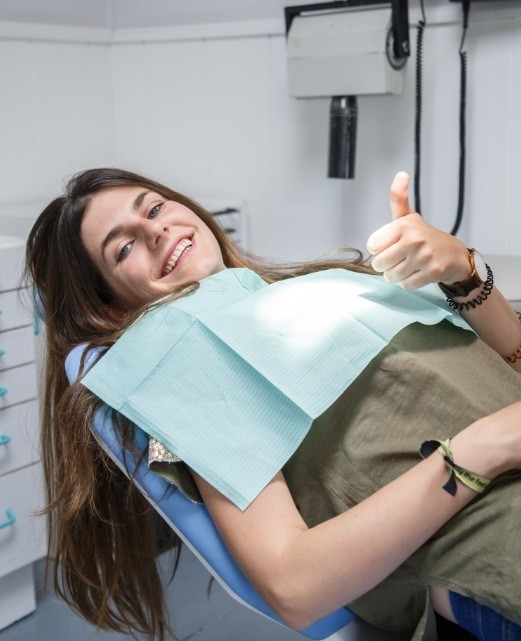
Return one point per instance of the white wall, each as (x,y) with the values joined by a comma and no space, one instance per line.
(385,138)
(206,109)
(211,114)
(213,117)
(56,113)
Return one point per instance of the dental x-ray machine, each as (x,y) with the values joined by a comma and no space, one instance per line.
(346,49)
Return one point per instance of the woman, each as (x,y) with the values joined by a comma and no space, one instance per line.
(115,242)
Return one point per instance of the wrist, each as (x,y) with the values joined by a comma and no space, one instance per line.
(481,448)
(468,293)
(462,268)
(470,478)
(479,276)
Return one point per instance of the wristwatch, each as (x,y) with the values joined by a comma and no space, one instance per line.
(477,277)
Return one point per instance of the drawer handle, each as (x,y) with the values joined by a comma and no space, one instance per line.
(2,351)
(11,518)
(4,439)
(3,391)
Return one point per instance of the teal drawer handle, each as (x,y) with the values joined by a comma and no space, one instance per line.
(4,439)
(2,351)
(11,518)
(3,391)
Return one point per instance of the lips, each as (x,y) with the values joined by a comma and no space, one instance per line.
(173,257)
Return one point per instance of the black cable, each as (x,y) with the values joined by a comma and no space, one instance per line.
(462,118)
(462,115)
(418,114)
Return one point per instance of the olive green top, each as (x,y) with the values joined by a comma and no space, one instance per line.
(429,382)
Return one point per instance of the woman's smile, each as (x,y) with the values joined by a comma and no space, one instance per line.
(178,256)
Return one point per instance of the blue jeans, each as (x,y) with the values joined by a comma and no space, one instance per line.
(482,622)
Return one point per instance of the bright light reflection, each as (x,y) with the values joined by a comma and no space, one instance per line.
(308,312)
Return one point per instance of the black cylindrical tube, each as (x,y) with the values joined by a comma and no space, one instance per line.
(342,137)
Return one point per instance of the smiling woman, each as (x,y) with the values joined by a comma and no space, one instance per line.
(346,512)
(136,228)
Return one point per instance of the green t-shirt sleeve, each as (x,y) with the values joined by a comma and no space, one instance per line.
(165,463)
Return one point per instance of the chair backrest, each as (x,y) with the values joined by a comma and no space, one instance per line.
(191,521)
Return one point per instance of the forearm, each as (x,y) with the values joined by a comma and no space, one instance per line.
(495,321)
(497,324)
(368,542)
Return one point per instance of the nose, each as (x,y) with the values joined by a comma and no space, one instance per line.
(154,231)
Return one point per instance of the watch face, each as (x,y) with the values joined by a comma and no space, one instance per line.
(480,266)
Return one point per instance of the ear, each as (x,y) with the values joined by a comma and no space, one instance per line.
(116,313)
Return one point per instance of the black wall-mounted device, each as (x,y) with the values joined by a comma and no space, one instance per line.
(352,69)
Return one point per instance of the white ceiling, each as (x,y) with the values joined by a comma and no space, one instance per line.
(122,14)
(130,14)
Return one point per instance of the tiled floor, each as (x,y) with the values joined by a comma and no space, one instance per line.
(194,616)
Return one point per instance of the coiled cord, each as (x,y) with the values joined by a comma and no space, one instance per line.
(418,113)
(462,119)
(462,115)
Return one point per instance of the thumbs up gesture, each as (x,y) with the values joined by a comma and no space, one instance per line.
(411,252)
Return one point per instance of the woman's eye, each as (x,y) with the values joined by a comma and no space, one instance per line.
(155,210)
(124,251)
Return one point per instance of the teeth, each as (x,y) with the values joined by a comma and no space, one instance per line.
(176,254)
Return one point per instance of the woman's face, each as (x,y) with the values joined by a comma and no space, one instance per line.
(145,246)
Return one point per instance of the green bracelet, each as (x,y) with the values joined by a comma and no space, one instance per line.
(470,479)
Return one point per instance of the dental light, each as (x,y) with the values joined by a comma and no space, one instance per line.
(346,49)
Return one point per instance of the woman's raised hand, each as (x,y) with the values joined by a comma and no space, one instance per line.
(411,252)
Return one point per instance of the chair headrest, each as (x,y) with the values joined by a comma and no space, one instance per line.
(72,367)
(72,362)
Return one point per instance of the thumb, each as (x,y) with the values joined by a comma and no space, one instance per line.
(399,196)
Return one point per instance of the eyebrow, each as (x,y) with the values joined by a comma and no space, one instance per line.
(138,200)
(115,231)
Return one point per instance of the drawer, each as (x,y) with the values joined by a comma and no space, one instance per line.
(17,347)
(11,262)
(20,435)
(23,537)
(17,596)
(18,385)
(16,309)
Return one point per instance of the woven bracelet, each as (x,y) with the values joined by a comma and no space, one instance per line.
(470,479)
(480,298)
(517,354)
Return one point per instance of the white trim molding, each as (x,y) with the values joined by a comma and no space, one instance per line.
(54,33)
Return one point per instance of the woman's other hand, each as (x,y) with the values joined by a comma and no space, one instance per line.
(491,445)
(411,252)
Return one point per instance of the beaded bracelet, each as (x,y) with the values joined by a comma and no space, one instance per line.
(482,296)
(517,354)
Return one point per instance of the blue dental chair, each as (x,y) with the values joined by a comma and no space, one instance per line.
(192,523)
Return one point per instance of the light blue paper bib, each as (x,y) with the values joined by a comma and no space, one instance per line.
(230,378)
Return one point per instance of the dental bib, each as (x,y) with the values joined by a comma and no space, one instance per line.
(231,377)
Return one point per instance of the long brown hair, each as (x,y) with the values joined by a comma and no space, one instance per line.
(102,532)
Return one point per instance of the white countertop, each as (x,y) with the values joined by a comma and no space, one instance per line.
(507,275)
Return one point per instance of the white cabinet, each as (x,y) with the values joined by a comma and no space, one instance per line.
(22,534)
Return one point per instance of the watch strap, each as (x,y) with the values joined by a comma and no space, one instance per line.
(463,287)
